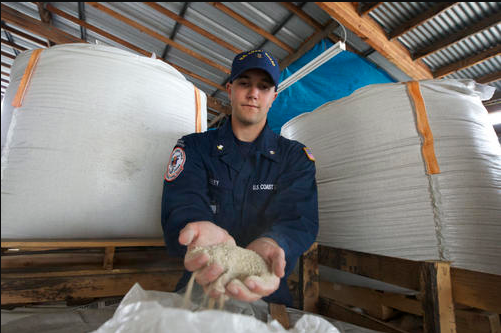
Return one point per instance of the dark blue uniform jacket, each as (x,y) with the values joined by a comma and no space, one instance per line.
(272,193)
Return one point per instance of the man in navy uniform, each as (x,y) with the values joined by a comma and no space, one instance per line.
(242,184)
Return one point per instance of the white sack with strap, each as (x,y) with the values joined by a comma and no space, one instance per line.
(85,154)
(374,191)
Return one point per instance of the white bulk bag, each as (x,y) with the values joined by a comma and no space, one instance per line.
(375,194)
(86,151)
(152,311)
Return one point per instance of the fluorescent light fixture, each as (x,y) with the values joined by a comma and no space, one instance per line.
(312,65)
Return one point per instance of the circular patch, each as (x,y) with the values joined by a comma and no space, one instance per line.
(176,164)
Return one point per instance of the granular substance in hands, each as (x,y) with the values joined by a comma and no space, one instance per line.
(238,263)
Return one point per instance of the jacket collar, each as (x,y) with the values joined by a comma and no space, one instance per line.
(225,144)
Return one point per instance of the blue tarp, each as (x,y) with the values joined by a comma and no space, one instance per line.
(337,78)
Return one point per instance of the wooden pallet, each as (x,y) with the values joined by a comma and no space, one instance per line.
(76,271)
(447,299)
(39,271)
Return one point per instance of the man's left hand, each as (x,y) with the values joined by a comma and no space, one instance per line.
(255,287)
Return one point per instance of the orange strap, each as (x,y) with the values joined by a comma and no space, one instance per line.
(423,127)
(198,115)
(25,80)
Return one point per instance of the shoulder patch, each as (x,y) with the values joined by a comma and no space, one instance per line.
(309,154)
(176,164)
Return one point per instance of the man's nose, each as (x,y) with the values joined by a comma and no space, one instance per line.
(253,92)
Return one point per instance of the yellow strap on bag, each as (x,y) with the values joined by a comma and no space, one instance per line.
(423,128)
(198,114)
(25,80)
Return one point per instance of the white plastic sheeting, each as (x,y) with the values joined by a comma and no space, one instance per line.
(154,312)
(374,193)
(85,154)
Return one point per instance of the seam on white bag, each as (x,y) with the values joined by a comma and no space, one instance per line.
(430,163)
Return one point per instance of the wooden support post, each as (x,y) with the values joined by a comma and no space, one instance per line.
(437,302)
(309,280)
(277,312)
(109,253)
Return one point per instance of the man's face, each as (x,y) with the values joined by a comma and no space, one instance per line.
(251,95)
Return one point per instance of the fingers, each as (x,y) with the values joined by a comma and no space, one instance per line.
(278,262)
(193,262)
(188,234)
(209,274)
(238,290)
(262,286)
(203,233)
(254,287)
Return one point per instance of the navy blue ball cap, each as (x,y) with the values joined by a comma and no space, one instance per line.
(253,59)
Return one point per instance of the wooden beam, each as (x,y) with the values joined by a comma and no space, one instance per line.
(364,298)
(372,33)
(366,7)
(302,15)
(84,243)
(23,35)
(474,321)
(7,55)
(217,118)
(277,312)
(488,78)
(31,290)
(192,26)
(437,298)
(308,44)
(129,45)
(215,104)
(6,65)
(252,26)
(344,313)
(78,257)
(13,45)
(5,73)
(46,18)
(400,272)
(420,19)
(309,279)
(456,37)
(468,62)
(476,289)
(34,26)
(158,36)
(109,253)
(315,25)
(402,303)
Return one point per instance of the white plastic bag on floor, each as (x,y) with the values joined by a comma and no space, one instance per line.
(155,312)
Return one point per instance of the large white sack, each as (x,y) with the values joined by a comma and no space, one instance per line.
(158,312)
(374,193)
(86,152)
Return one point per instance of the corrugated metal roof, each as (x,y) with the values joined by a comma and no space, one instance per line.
(456,18)
(276,19)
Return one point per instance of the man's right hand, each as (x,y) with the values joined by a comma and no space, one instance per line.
(203,233)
